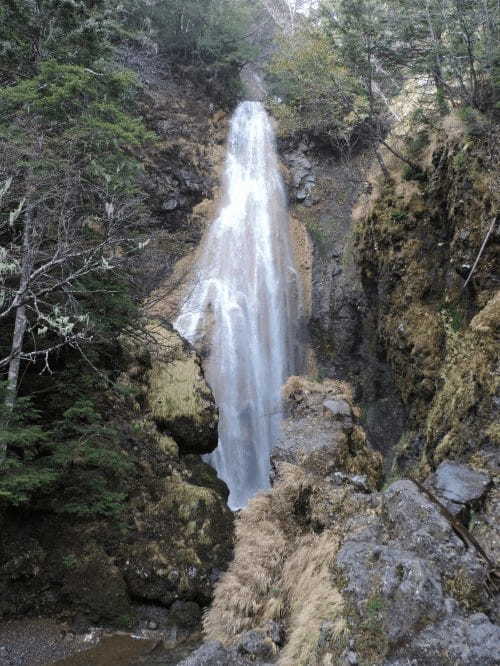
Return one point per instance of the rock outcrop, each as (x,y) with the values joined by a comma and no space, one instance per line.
(179,400)
(342,331)
(176,532)
(342,572)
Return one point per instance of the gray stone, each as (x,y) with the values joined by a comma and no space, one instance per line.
(460,483)
(391,586)
(213,653)
(420,523)
(456,641)
(275,632)
(255,644)
(359,481)
(337,409)
(170,204)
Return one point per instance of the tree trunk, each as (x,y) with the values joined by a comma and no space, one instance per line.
(436,70)
(20,324)
(401,157)
(381,162)
(15,361)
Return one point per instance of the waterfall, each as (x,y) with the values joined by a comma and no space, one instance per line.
(244,305)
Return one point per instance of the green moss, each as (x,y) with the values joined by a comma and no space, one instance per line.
(467,383)
(469,593)
(454,315)
(374,606)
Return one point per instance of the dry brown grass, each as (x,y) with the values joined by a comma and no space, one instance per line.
(312,600)
(249,593)
(280,572)
(298,385)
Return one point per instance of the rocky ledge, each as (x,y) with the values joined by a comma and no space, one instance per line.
(330,569)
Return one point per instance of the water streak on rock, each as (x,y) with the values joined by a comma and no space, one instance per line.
(244,305)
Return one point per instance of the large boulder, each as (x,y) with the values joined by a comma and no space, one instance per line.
(458,486)
(183,536)
(321,431)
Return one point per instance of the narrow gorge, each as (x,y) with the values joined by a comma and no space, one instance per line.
(250,333)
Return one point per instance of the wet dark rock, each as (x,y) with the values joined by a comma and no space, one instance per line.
(185,614)
(213,653)
(256,644)
(302,174)
(342,325)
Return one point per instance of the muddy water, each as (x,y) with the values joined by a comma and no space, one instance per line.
(125,650)
(119,650)
(44,642)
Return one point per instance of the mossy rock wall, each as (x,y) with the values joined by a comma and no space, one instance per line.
(179,399)
(416,246)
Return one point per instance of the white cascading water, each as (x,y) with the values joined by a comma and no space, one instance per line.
(244,305)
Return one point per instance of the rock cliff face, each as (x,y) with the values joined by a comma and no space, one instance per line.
(416,243)
(391,310)
(330,570)
(176,533)
(342,330)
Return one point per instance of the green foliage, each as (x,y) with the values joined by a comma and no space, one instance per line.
(193,32)
(209,40)
(69,31)
(453,316)
(90,463)
(374,606)
(418,142)
(79,102)
(75,466)
(412,173)
(319,95)
(476,124)
(70,561)
(21,432)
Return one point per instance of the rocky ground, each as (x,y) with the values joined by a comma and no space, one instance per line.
(346,573)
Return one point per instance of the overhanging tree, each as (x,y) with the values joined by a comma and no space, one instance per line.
(71,206)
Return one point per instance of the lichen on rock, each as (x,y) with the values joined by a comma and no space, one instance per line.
(179,399)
